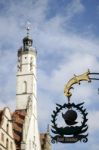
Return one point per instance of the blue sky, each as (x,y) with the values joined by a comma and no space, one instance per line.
(66,36)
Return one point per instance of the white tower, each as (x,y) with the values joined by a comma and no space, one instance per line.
(26,74)
(26,95)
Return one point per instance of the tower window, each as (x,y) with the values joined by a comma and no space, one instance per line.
(25,87)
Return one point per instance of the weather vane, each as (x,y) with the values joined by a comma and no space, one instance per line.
(28,24)
(73,130)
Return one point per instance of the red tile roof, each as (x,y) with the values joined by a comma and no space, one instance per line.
(18,118)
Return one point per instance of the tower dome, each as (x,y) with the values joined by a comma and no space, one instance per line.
(27,42)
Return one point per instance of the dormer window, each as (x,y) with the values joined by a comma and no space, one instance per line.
(7,143)
(7,128)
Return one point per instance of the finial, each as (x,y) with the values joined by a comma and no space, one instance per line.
(28,27)
(48,128)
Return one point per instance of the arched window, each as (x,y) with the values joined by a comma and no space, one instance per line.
(25,87)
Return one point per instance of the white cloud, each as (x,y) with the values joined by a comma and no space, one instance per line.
(60,76)
(93,121)
(95,147)
(73,8)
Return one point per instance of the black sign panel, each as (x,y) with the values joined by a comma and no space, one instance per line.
(71,133)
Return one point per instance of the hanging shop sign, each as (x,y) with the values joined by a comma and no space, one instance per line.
(73,125)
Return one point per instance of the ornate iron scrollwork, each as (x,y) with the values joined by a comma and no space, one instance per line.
(75,132)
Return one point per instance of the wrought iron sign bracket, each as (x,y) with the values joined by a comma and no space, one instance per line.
(71,132)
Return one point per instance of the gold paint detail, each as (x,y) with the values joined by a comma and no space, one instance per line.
(75,80)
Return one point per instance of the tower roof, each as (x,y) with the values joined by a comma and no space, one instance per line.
(27,41)
(27,44)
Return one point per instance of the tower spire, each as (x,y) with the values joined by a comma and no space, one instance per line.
(28,28)
(27,41)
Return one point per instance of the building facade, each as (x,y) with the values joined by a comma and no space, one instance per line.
(6,130)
